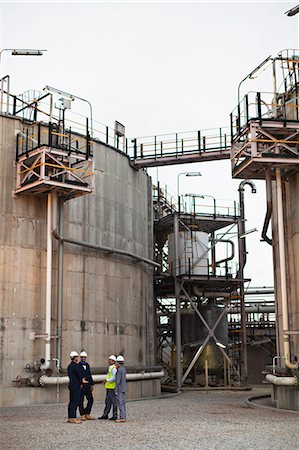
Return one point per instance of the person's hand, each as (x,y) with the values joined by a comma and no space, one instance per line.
(84,381)
(91,388)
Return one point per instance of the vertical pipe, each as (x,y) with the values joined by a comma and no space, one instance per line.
(60,281)
(48,283)
(178,302)
(242,262)
(282,264)
(213,253)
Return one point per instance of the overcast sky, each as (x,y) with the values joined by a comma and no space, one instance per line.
(157,68)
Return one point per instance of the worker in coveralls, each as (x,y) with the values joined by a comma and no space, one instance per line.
(120,389)
(110,400)
(76,377)
(86,390)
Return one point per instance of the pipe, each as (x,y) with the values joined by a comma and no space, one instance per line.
(210,294)
(282,381)
(252,309)
(48,285)
(178,338)
(60,281)
(109,250)
(229,258)
(283,280)
(50,381)
(269,208)
(129,369)
(240,274)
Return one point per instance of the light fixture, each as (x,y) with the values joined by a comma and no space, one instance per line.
(63,94)
(253,230)
(27,52)
(293,11)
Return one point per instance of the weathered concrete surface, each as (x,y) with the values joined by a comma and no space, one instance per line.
(107,301)
(193,420)
(291,227)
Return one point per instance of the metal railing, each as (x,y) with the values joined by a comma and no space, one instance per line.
(263,106)
(177,144)
(37,135)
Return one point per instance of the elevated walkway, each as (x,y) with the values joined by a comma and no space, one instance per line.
(180,148)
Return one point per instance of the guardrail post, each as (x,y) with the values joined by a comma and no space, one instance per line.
(38,134)
(198,142)
(259,106)
(50,135)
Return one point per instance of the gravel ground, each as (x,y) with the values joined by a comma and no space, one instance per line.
(192,420)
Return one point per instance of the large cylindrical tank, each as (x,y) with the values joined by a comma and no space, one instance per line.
(107,299)
(193,248)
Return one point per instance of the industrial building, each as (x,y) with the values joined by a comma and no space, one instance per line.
(94,257)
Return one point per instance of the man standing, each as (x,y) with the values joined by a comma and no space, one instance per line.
(120,389)
(110,399)
(86,389)
(77,379)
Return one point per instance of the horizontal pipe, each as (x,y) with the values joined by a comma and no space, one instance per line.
(49,381)
(208,294)
(282,381)
(252,309)
(108,250)
(129,369)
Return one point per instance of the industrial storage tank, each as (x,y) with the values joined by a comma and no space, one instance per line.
(107,304)
(193,248)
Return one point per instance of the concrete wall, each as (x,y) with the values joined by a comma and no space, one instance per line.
(291,223)
(107,300)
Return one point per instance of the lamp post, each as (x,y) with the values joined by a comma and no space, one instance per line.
(187,174)
(15,52)
(250,75)
(204,196)
(71,97)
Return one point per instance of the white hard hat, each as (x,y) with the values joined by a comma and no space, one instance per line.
(112,357)
(73,354)
(120,358)
(83,354)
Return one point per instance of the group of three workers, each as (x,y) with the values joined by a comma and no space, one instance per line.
(81,387)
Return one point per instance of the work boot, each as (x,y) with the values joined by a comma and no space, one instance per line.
(73,420)
(89,417)
(103,417)
(113,418)
(120,420)
(83,417)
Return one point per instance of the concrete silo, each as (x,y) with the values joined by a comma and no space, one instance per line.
(97,294)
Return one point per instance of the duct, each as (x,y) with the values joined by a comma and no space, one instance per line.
(108,250)
(282,381)
(228,241)
(269,208)
(53,381)
(283,279)
(210,294)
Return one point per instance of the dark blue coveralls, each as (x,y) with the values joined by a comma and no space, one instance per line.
(75,375)
(86,391)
